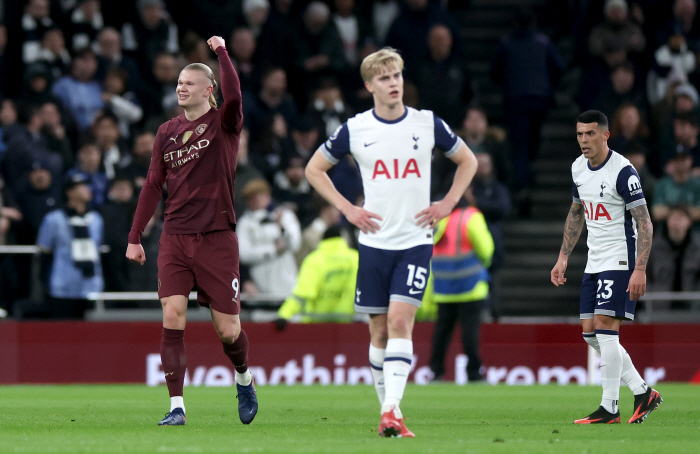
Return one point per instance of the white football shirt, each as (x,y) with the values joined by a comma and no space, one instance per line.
(607,193)
(394,158)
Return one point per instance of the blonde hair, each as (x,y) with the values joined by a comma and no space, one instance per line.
(374,63)
(210,75)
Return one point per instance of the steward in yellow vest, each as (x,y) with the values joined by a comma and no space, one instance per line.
(325,289)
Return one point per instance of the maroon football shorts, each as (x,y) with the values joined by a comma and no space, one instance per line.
(207,263)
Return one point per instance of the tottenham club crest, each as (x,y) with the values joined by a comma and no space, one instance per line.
(186,136)
(200,129)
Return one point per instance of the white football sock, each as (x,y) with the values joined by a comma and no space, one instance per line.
(177,402)
(629,375)
(397,366)
(376,362)
(610,367)
(244,379)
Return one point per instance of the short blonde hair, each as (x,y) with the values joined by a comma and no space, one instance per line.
(210,75)
(374,63)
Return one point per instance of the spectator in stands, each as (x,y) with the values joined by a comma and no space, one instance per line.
(196,50)
(122,103)
(88,162)
(327,217)
(528,66)
(686,131)
(674,263)
(109,55)
(328,107)
(409,31)
(483,138)
(596,77)
(9,215)
(35,21)
(117,213)
(79,91)
(637,156)
(463,248)
(275,41)
(3,58)
(673,62)
(622,89)
(242,48)
(54,131)
(442,78)
(325,288)
(73,234)
(273,145)
(683,22)
(150,34)
(354,31)
(268,235)
(492,199)
(318,48)
(159,94)
(8,124)
(37,85)
(384,13)
(26,146)
(628,127)
(678,188)
(108,138)
(42,195)
(86,21)
(137,169)
(255,13)
(293,191)
(305,135)
(245,171)
(617,27)
(273,98)
(53,53)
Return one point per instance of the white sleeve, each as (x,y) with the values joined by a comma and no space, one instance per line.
(292,230)
(250,251)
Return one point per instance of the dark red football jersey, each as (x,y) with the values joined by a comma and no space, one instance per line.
(197,161)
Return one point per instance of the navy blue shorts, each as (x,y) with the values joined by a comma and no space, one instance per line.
(605,293)
(385,276)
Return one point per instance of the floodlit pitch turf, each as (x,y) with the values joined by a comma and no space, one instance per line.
(299,419)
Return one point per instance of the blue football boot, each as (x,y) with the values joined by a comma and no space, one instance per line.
(247,402)
(174,418)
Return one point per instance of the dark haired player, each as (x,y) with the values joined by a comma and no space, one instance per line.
(607,193)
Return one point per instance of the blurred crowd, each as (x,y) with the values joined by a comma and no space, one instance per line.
(84,85)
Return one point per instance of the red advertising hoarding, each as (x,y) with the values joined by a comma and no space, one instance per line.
(84,352)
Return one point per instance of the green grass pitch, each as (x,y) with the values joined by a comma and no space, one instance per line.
(331,419)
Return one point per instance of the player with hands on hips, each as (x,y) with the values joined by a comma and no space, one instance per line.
(392,145)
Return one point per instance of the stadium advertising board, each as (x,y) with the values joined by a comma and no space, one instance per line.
(328,354)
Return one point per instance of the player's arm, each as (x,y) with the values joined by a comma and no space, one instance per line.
(466,168)
(232,109)
(317,175)
(151,193)
(645,232)
(572,232)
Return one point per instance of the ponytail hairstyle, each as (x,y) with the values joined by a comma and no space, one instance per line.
(210,75)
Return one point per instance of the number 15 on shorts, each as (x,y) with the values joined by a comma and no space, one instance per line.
(416,278)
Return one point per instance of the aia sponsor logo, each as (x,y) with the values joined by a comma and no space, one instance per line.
(595,211)
(394,169)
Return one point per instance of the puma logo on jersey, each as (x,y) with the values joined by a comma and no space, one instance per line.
(174,139)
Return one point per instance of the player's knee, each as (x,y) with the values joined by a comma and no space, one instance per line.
(399,327)
(229,333)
